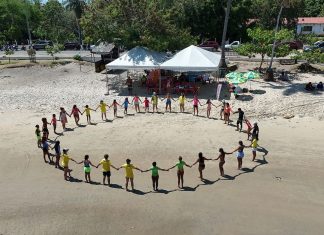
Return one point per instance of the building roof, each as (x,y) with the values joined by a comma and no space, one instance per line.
(103,48)
(311,20)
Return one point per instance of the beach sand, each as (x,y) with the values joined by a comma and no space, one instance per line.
(281,193)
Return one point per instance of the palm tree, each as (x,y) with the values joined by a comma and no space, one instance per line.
(77,6)
(223,65)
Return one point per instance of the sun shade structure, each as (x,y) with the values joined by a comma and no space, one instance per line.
(193,58)
(138,58)
(251,75)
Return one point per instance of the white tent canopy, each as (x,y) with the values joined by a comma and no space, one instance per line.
(193,58)
(138,58)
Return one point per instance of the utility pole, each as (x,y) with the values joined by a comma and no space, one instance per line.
(223,65)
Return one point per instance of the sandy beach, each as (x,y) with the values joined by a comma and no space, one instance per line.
(281,193)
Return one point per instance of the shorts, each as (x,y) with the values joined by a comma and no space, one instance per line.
(87,169)
(76,116)
(106,173)
(130,87)
(136,103)
(239,121)
(254,149)
(168,102)
(45,151)
(39,137)
(201,167)
(180,172)
(195,106)
(155,178)
(240,154)
(226,114)
(45,130)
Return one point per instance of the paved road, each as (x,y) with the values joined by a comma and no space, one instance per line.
(43,55)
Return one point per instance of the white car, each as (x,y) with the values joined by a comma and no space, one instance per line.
(232,45)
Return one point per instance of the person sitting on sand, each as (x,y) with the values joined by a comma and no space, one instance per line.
(103,107)
(319,86)
(155,175)
(240,154)
(106,164)
(38,136)
(87,110)
(221,158)
(65,164)
(76,111)
(136,101)
(201,166)
(129,173)
(86,168)
(180,172)
(309,87)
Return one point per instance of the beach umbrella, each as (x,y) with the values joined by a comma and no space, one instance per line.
(235,78)
(251,75)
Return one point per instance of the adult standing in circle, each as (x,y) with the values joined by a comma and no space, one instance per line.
(255,131)
(240,154)
(76,111)
(63,118)
(180,172)
(239,123)
(221,158)
(201,166)
(129,83)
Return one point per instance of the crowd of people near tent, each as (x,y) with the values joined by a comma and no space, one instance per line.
(61,160)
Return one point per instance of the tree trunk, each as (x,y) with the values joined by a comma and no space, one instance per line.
(262,60)
(275,41)
(223,65)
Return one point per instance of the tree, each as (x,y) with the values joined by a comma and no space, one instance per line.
(261,44)
(52,50)
(9,52)
(139,23)
(32,55)
(313,8)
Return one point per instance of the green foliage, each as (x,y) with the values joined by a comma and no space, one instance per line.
(77,57)
(9,53)
(315,56)
(32,54)
(141,23)
(266,11)
(314,8)
(52,50)
(262,41)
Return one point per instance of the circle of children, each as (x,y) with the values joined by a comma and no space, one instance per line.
(42,142)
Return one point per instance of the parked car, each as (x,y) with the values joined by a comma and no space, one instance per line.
(232,45)
(210,44)
(42,44)
(72,46)
(317,45)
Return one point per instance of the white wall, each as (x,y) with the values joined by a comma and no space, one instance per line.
(318,29)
